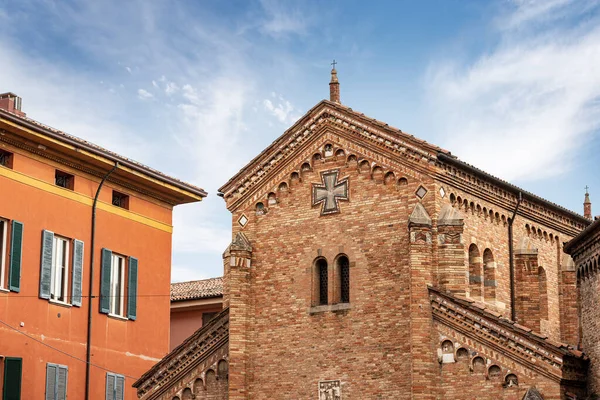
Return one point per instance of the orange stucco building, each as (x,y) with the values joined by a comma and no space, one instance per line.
(48,182)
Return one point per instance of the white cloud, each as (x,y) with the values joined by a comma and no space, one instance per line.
(281,20)
(522,110)
(282,109)
(171,88)
(144,94)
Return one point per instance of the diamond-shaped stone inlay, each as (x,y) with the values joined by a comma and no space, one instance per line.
(442,192)
(330,192)
(243,221)
(421,192)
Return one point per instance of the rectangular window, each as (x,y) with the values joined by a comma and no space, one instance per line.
(56,382)
(64,180)
(120,200)
(3,253)
(59,278)
(117,285)
(115,386)
(6,159)
(13,369)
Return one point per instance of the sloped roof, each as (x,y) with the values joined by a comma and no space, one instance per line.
(193,290)
(481,310)
(205,340)
(94,148)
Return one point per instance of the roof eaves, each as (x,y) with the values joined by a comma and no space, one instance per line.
(510,187)
(98,150)
(570,245)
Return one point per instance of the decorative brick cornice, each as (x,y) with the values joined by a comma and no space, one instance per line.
(556,361)
(532,207)
(375,136)
(179,362)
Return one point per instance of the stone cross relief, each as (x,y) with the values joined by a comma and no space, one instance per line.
(330,390)
(330,192)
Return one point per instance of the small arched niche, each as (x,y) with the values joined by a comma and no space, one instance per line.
(494,372)
(478,365)
(462,354)
(447,352)
(187,394)
(511,380)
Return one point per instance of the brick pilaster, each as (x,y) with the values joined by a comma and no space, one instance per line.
(527,288)
(236,286)
(451,251)
(423,379)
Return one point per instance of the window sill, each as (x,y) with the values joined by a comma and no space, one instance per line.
(60,303)
(329,307)
(119,317)
(4,290)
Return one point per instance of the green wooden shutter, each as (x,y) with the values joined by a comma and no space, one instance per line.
(16,255)
(105,281)
(13,368)
(132,286)
(110,386)
(46,264)
(119,387)
(77,272)
(61,383)
(51,381)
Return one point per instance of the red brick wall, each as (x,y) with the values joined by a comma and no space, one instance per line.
(368,346)
(590,321)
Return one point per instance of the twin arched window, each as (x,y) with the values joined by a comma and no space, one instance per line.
(341,281)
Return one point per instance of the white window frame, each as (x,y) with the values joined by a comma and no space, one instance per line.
(3,248)
(57,270)
(115,277)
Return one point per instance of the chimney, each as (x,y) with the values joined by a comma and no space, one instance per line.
(587,205)
(12,103)
(334,86)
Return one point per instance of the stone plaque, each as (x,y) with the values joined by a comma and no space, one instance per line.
(330,390)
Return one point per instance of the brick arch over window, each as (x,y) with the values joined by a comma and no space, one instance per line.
(475,272)
(489,276)
(543,285)
(321,282)
(343,278)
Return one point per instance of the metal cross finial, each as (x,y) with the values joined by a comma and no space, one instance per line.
(330,192)
(334,64)
(586,189)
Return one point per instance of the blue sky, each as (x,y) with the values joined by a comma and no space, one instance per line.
(197,89)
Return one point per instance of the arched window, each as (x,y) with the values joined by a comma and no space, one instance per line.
(475,272)
(322,280)
(543,283)
(489,274)
(344,278)
(187,394)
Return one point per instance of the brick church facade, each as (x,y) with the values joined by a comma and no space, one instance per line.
(369,264)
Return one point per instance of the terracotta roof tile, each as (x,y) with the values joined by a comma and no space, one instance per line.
(193,290)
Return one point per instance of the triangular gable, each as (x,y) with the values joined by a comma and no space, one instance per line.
(391,143)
